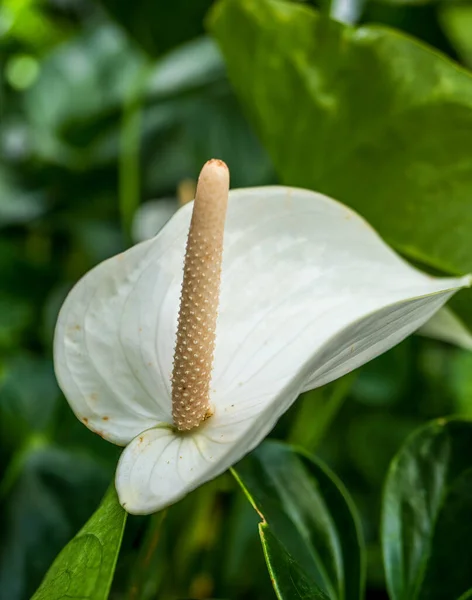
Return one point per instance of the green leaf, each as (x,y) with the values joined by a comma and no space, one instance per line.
(310,531)
(288,578)
(368,116)
(457,22)
(85,567)
(426,524)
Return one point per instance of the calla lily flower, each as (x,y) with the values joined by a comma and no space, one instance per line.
(308,293)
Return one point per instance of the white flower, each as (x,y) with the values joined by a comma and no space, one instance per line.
(308,293)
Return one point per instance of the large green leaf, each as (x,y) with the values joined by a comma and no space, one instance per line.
(310,532)
(426,524)
(366,115)
(85,567)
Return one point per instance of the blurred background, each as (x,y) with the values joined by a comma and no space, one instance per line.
(106,106)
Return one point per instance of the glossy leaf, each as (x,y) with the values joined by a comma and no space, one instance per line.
(426,514)
(85,567)
(310,531)
(288,578)
(366,115)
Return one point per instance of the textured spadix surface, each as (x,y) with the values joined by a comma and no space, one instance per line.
(309,292)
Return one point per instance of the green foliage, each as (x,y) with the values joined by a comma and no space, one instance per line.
(51,493)
(85,567)
(18,205)
(158,27)
(288,578)
(426,526)
(22,377)
(457,22)
(310,531)
(381,122)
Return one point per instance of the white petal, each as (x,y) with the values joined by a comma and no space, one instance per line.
(160,466)
(306,290)
(309,292)
(114,338)
(447,327)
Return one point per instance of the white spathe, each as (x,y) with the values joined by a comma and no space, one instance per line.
(309,292)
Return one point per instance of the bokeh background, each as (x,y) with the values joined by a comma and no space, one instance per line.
(104,107)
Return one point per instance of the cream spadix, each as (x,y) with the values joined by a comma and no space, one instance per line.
(308,293)
(195,346)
